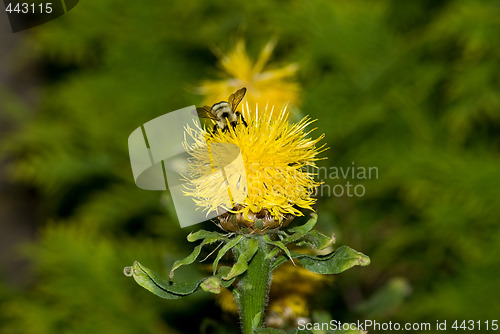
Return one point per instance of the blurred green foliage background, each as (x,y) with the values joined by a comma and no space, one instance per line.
(409,87)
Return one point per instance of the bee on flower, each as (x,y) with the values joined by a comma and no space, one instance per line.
(224,113)
(279,159)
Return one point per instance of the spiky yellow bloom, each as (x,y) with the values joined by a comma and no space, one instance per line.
(279,165)
(275,86)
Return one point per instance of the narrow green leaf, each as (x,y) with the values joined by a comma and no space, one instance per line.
(224,250)
(334,263)
(307,226)
(293,238)
(193,256)
(209,239)
(278,244)
(300,232)
(202,234)
(158,285)
(187,260)
(316,240)
(241,264)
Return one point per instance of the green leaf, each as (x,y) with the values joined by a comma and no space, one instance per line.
(256,320)
(334,263)
(202,234)
(224,250)
(300,232)
(187,260)
(316,240)
(279,245)
(293,238)
(241,264)
(165,288)
(307,226)
(193,256)
(158,285)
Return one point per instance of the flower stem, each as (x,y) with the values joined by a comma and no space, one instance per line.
(253,288)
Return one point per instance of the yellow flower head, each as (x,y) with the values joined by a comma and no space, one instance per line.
(265,86)
(279,162)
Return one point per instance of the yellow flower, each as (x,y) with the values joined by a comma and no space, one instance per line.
(265,86)
(279,164)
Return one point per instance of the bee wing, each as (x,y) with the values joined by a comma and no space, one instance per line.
(236,98)
(205,112)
